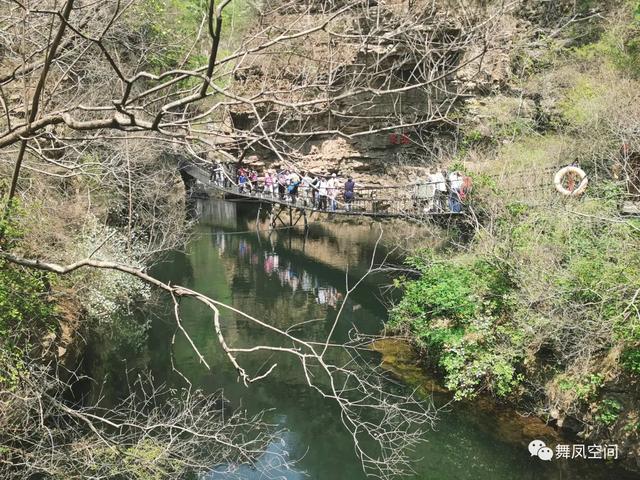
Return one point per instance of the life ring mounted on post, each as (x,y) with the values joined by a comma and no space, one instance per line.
(574,173)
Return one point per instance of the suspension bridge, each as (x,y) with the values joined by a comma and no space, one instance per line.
(375,202)
(399,201)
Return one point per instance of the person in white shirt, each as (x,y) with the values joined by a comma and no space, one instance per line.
(427,192)
(305,189)
(440,184)
(455,179)
(322,194)
(455,185)
(217,174)
(440,181)
(314,185)
(332,192)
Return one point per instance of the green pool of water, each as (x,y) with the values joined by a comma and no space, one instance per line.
(285,278)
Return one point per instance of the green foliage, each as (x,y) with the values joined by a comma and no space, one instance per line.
(549,274)
(12,367)
(593,258)
(516,127)
(585,389)
(577,107)
(454,311)
(470,365)
(23,292)
(531,152)
(517,209)
(25,309)
(630,359)
(176,23)
(498,120)
(23,299)
(10,232)
(445,292)
(454,291)
(527,65)
(610,193)
(620,46)
(146,460)
(548,287)
(472,138)
(608,412)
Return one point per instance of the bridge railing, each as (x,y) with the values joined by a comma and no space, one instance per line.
(412,200)
(378,202)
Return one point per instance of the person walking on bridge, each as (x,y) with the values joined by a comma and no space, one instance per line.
(315,184)
(282,184)
(268,183)
(455,184)
(253,182)
(440,194)
(305,188)
(225,179)
(425,193)
(433,181)
(292,189)
(349,193)
(332,192)
(322,194)
(242,181)
(220,175)
(215,174)
(293,179)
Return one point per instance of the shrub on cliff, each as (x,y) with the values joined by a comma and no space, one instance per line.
(456,312)
(25,311)
(547,288)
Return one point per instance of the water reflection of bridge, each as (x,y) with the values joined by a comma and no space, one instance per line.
(378,202)
(284,269)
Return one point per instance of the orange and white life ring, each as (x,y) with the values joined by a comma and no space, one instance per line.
(571,170)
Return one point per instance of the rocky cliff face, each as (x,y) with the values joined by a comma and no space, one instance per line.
(395,79)
(428,74)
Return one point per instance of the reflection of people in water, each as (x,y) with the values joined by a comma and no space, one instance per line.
(336,298)
(306,281)
(244,248)
(270,263)
(329,296)
(221,242)
(300,279)
(288,275)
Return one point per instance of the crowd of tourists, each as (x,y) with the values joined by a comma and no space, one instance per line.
(439,191)
(307,189)
(442,191)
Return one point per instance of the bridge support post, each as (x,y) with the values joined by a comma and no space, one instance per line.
(304,217)
(274,216)
(290,217)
